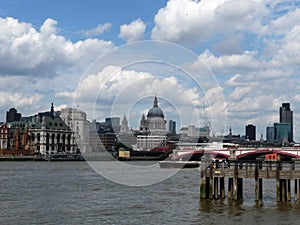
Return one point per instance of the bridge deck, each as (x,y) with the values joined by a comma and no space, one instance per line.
(264,171)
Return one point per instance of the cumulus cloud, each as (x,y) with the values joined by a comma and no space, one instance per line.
(8,99)
(49,27)
(133,31)
(26,51)
(233,62)
(35,63)
(284,23)
(116,91)
(192,22)
(100,29)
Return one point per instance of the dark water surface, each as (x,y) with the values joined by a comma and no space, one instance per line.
(72,193)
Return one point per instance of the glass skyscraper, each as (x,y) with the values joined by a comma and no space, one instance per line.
(286,116)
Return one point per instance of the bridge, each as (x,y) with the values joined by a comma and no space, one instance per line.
(213,174)
(188,151)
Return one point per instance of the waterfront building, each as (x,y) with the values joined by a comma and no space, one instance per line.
(42,135)
(79,125)
(126,136)
(154,124)
(49,135)
(149,142)
(153,129)
(286,116)
(194,134)
(250,132)
(3,139)
(233,138)
(102,136)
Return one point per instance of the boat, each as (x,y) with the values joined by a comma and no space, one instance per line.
(179,164)
(142,155)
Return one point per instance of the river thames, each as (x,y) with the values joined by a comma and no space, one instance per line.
(73,193)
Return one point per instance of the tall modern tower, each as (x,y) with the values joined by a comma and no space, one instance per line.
(251,132)
(286,116)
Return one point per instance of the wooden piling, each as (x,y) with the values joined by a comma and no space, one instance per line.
(216,186)
(278,184)
(210,190)
(235,181)
(230,188)
(222,187)
(240,188)
(289,197)
(295,190)
(212,184)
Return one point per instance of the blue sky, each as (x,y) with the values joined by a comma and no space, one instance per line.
(75,16)
(236,61)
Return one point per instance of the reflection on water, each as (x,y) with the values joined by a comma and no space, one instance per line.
(237,212)
(72,193)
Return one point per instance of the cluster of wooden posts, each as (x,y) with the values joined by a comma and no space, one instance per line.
(213,176)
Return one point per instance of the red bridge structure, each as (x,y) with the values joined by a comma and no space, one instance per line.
(188,151)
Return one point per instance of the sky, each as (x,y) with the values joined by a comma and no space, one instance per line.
(226,63)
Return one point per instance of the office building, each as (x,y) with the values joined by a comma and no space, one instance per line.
(286,116)
(250,132)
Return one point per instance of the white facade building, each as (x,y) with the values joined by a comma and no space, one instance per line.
(78,123)
(149,142)
(153,129)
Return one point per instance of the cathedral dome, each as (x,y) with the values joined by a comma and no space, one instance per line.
(155,111)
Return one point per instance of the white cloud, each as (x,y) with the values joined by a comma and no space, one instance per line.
(25,51)
(114,91)
(233,62)
(133,31)
(192,22)
(8,99)
(100,29)
(49,27)
(284,23)
(288,49)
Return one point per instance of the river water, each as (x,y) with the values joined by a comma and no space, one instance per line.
(73,193)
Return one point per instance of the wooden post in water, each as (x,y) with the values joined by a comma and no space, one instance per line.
(230,188)
(216,186)
(289,198)
(258,185)
(278,184)
(222,187)
(203,183)
(240,189)
(296,190)
(284,190)
(210,191)
(235,181)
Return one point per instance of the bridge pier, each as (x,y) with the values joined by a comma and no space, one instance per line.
(212,184)
(230,188)
(222,187)
(216,188)
(258,184)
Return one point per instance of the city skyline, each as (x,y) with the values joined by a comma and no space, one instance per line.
(252,55)
(285,117)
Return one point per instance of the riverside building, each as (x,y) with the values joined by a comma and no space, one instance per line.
(153,129)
